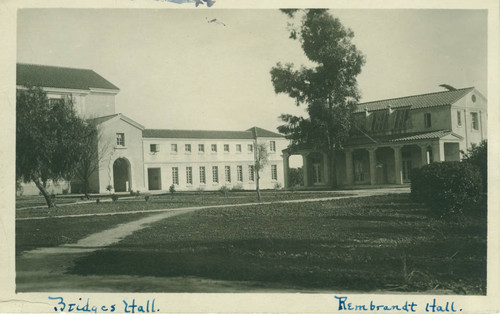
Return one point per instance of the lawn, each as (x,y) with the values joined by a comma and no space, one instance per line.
(363,244)
(38,200)
(31,234)
(179,199)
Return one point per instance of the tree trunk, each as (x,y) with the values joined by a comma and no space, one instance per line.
(86,188)
(48,199)
(258,188)
(333,168)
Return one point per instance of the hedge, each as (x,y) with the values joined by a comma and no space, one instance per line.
(448,188)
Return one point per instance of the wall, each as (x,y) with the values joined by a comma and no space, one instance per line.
(99,104)
(466,106)
(132,152)
(166,159)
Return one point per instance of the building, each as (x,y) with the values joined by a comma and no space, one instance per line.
(393,136)
(133,158)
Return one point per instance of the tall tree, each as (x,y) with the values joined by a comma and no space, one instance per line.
(49,139)
(261,160)
(90,159)
(328,89)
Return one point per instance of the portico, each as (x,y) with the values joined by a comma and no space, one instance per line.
(388,161)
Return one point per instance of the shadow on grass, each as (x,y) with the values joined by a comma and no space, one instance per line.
(307,264)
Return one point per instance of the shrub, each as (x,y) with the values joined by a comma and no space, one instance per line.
(237,187)
(97,201)
(65,191)
(114,197)
(224,190)
(448,188)
(200,190)
(295,177)
(146,198)
(132,193)
(278,186)
(109,188)
(172,189)
(477,155)
(137,193)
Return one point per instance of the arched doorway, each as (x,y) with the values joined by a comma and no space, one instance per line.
(121,175)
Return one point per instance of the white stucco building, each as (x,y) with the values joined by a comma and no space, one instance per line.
(134,158)
(393,136)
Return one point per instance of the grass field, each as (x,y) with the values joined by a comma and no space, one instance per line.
(31,234)
(180,199)
(362,244)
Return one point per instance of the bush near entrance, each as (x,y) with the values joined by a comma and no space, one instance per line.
(448,188)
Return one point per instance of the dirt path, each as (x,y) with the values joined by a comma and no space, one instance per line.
(43,269)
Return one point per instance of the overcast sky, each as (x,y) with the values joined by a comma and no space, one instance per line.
(176,70)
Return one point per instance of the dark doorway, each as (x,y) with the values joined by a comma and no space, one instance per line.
(121,175)
(154,179)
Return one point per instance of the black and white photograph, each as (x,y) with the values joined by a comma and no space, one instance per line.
(297,158)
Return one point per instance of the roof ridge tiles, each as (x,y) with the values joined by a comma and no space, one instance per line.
(55,66)
(417,95)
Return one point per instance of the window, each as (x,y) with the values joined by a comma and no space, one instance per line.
(189,175)
(187,148)
(274,172)
(173,147)
(459,118)
(251,173)
(202,175)
(214,147)
(201,147)
(238,148)
(215,174)
(239,173)
(427,120)
(154,148)
(272,146)
(175,175)
(380,120)
(475,121)
(401,119)
(226,148)
(120,139)
(250,147)
(227,173)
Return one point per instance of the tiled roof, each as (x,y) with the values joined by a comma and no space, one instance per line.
(417,101)
(100,120)
(425,136)
(207,134)
(259,132)
(59,77)
(201,134)
(397,138)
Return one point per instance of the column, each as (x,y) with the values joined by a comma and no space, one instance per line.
(424,158)
(286,168)
(349,173)
(398,173)
(326,167)
(373,165)
(305,170)
(437,151)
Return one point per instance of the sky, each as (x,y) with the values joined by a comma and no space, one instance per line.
(177,71)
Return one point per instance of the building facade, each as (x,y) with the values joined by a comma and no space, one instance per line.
(391,137)
(133,158)
(395,135)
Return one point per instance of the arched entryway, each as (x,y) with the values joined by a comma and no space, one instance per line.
(121,175)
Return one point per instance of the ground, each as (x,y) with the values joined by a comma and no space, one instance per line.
(371,243)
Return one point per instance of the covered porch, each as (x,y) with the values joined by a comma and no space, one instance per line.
(377,162)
